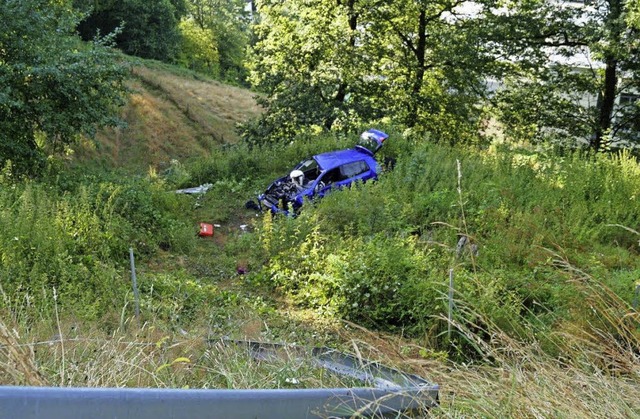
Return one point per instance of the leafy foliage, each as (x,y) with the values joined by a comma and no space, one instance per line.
(337,65)
(227,22)
(555,71)
(54,87)
(379,254)
(77,242)
(571,63)
(199,48)
(147,29)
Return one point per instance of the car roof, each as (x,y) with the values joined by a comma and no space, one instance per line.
(333,159)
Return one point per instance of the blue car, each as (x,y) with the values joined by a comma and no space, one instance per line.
(315,177)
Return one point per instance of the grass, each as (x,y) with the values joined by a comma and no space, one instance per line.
(537,332)
(516,379)
(214,107)
(146,356)
(170,115)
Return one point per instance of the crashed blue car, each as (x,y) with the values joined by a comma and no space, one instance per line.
(315,177)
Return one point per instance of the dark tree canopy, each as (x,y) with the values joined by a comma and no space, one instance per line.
(567,71)
(340,64)
(573,74)
(146,28)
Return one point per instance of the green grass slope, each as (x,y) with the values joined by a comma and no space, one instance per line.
(170,114)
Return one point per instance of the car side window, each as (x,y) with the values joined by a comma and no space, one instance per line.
(344,172)
(350,170)
(333,176)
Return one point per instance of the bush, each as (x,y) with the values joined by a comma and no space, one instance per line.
(381,282)
(77,241)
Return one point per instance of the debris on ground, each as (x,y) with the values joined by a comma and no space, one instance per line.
(197,190)
(206,230)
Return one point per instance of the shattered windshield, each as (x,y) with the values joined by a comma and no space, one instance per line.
(310,169)
(308,164)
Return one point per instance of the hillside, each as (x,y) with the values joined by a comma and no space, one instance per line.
(544,323)
(171,114)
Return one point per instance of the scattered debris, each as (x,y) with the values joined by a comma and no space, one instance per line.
(252,205)
(197,190)
(241,268)
(401,392)
(206,230)
(463,243)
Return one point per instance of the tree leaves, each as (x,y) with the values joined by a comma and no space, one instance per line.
(336,65)
(582,55)
(145,28)
(228,23)
(55,87)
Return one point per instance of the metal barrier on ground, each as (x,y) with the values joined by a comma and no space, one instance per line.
(390,393)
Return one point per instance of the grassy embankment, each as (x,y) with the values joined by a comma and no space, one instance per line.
(543,324)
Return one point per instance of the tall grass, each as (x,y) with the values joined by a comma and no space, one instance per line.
(596,374)
(379,253)
(77,243)
(593,374)
(542,323)
(151,357)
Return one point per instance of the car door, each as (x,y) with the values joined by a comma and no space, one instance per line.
(343,175)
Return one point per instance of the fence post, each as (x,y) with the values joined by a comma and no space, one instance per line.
(450,317)
(135,284)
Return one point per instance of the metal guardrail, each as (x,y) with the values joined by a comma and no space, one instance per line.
(370,372)
(392,393)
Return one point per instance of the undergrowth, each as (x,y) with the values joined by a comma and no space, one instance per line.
(380,253)
(542,250)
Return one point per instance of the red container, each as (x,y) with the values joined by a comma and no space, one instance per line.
(206,230)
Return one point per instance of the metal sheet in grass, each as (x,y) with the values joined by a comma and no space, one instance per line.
(391,394)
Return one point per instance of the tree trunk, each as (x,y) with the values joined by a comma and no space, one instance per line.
(341,94)
(607,97)
(419,52)
(606,102)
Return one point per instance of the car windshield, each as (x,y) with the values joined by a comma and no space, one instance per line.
(310,169)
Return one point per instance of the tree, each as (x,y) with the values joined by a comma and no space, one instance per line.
(338,64)
(199,49)
(146,28)
(561,56)
(434,62)
(633,14)
(54,87)
(228,22)
(306,63)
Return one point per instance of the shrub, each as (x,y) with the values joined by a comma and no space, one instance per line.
(77,241)
(382,282)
